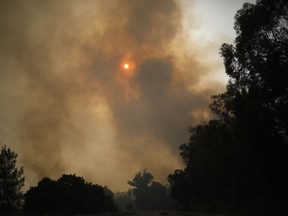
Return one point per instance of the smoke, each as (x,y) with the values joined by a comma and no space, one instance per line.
(67,105)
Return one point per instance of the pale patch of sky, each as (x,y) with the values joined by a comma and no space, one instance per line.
(214,26)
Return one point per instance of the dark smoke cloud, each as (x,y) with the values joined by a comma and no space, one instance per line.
(68,107)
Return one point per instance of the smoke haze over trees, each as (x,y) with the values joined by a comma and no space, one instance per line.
(125,201)
(71,106)
(66,100)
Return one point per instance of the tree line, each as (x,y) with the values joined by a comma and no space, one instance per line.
(235,163)
(69,195)
(73,195)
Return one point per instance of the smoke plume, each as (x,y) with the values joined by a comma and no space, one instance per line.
(68,105)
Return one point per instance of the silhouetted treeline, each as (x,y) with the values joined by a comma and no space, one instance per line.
(69,195)
(237,163)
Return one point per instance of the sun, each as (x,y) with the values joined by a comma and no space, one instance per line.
(126,66)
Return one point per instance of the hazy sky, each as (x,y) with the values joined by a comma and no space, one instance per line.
(69,106)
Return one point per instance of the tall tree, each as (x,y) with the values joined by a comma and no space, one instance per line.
(242,156)
(180,188)
(256,99)
(141,182)
(11,180)
(149,194)
(208,161)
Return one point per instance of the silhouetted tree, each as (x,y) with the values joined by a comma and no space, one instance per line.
(149,195)
(159,196)
(208,160)
(70,194)
(11,181)
(141,180)
(256,100)
(141,183)
(239,159)
(180,188)
(110,200)
(46,197)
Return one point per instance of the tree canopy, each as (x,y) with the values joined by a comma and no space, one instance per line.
(149,194)
(180,188)
(239,159)
(70,194)
(11,180)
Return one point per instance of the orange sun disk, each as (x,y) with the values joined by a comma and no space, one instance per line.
(126,66)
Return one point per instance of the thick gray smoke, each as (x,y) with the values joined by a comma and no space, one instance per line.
(69,106)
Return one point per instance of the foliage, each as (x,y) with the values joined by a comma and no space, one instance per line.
(207,176)
(141,183)
(149,195)
(180,188)
(257,96)
(70,194)
(11,181)
(141,180)
(237,163)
